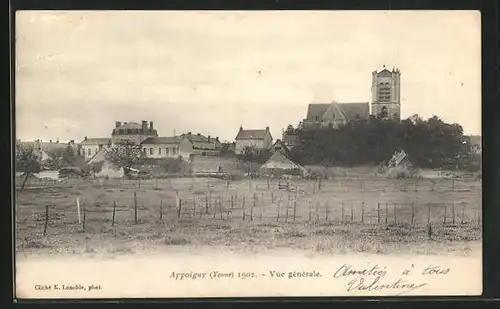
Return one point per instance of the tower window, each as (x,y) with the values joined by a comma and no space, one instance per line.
(384,112)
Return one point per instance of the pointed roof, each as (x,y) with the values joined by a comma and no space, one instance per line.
(280,161)
(351,111)
(333,110)
(252,134)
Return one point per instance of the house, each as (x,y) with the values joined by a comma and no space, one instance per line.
(43,149)
(132,131)
(279,145)
(183,146)
(399,166)
(261,139)
(279,164)
(91,146)
(475,143)
(126,131)
(335,114)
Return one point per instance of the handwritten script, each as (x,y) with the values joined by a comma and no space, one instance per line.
(374,278)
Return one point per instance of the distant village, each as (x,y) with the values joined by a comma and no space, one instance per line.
(188,146)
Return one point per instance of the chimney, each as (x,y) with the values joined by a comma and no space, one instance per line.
(241,128)
(144,126)
(85,138)
(151,126)
(217,138)
(50,141)
(198,134)
(189,133)
(208,138)
(118,124)
(267,128)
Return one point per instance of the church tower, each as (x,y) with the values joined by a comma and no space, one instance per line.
(386,93)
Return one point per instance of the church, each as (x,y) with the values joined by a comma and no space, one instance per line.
(385,103)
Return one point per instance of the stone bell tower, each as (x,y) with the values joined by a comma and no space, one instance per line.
(386,93)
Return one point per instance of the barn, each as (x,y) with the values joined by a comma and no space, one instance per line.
(279,164)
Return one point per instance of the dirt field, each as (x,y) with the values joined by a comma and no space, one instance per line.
(342,216)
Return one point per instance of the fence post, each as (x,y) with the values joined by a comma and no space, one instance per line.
(294,210)
(317,211)
(363,212)
(232,201)
(243,207)
(378,212)
(84,215)
(444,217)
(194,206)
(386,212)
(453,184)
(395,213)
(220,206)
(352,211)
(428,212)
(272,197)
(135,207)
(463,210)
(206,204)
(262,198)
(327,211)
(46,219)
(342,219)
(453,212)
(253,205)
(161,210)
(179,209)
(278,208)
(114,211)
(310,211)
(412,212)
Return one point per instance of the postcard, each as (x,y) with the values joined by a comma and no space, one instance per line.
(184,154)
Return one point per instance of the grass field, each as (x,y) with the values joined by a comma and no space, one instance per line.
(375,215)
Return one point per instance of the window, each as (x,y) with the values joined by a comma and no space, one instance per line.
(174,151)
(384,112)
(89,151)
(151,151)
(316,118)
(166,151)
(159,151)
(96,150)
(100,147)
(144,150)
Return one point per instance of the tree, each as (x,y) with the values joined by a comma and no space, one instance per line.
(429,143)
(27,161)
(252,156)
(125,154)
(61,157)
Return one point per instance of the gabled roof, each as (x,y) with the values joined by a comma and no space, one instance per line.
(162,140)
(333,111)
(280,161)
(317,110)
(96,141)
(350,110)
(251,134)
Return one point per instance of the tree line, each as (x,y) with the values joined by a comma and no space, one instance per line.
(429,143)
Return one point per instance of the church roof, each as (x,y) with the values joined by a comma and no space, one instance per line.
(350,110)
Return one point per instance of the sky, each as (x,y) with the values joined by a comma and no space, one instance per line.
(77,72)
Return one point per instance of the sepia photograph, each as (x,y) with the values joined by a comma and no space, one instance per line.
(175,154)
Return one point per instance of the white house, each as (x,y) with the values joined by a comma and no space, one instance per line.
(183,146)
(260,139)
